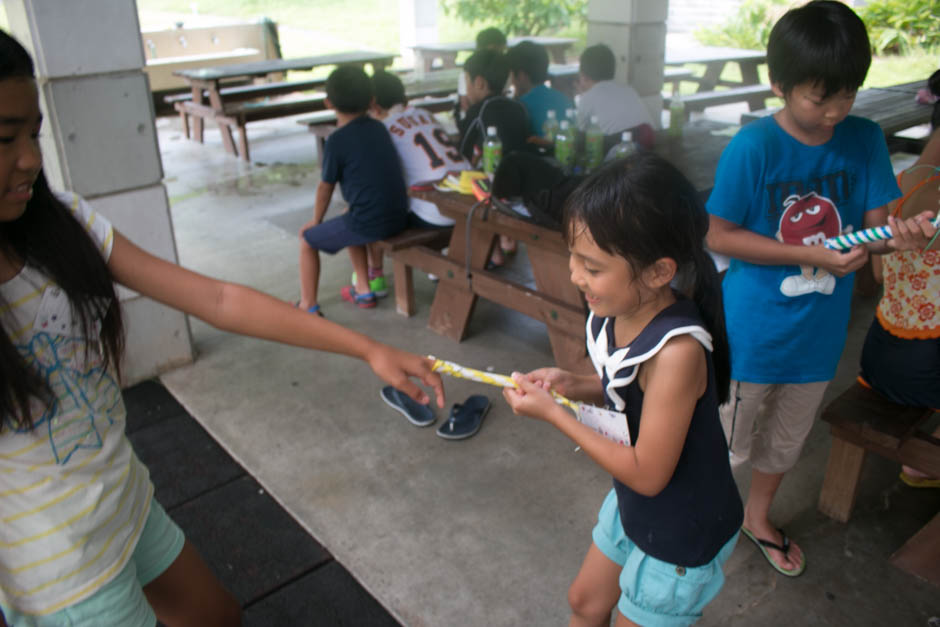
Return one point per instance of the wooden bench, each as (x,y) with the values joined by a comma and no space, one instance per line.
(403,250)
(239,115)
(862,421)
(754,95)
(253,90)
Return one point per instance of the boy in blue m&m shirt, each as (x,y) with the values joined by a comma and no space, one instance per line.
(784,184)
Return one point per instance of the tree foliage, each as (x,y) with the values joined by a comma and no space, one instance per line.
(519,17)
(898,26)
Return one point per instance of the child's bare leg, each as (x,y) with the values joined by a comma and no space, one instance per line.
(360,264)
(595,590)
(375,256)
(757,518)
(309,274)
(188,594)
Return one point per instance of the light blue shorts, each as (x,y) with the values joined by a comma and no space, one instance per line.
(656,593)
(121,602)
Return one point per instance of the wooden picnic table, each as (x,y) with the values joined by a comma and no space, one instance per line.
(446,53)
(209,101)
(554,300)
(893,108)
(715,59)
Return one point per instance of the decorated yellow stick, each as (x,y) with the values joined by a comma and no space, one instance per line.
(610,424)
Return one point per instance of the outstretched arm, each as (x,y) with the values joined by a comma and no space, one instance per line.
(240,309)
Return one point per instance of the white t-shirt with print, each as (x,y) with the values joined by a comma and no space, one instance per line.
(426,154)
(73,496)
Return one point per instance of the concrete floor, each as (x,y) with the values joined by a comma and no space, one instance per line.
(490,530)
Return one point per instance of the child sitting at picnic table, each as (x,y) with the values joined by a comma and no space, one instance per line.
(487,39)
(901,355)
(528,63)
(783,185)
(356,156)
(424,147)
(617,106)
(487,72)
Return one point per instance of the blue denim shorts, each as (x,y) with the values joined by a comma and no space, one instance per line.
(656,593)
(331,236)
(121,601)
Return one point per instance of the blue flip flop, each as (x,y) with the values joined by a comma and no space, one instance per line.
(465,419)
(417,414)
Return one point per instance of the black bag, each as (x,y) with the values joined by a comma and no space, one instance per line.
(539,182)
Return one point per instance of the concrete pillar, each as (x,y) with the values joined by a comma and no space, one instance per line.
(417,25)
(636,32)
(99,140)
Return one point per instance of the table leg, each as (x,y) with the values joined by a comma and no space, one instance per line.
(712,75)
(197,120)
(557,53)
(749,72)
(920,555)
(840,485)
(215,101)
(454,299)
(553,278)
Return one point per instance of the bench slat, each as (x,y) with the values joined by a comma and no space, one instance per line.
(754,95)
(254,90)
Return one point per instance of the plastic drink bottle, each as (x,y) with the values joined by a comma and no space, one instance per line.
(550,127)
(572,116)
(564,146)
(676,114)
(492,151)
(593,145)
(625,148)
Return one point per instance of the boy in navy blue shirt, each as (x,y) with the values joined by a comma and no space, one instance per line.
(357,156)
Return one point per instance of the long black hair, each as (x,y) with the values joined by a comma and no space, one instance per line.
(49,238)
(643,209)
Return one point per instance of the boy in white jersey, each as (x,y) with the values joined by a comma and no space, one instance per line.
(424,147)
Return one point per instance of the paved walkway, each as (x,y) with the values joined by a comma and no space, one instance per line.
(491,530)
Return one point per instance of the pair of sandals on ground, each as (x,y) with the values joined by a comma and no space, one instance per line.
(463,421)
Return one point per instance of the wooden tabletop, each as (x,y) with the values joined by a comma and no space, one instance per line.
(263,68)
(464,46)
(893,108)
(711,54)
(696,153)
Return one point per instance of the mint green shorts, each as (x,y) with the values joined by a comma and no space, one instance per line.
(655,593)
(121,601)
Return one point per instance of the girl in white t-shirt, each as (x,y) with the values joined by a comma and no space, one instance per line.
(82,542)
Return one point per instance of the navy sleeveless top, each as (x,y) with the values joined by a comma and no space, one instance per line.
(700,509)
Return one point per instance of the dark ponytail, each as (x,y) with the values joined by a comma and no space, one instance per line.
(643,209)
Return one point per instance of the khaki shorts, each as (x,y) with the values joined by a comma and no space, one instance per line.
(767,423)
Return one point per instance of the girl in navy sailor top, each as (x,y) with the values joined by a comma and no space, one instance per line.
(657,340)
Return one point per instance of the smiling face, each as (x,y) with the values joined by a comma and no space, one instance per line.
(607,281)
(808,115)
(20,158)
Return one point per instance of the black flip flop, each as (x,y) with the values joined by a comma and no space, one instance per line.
(417,414)
(465,419)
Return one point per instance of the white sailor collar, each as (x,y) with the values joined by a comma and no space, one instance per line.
(622,365)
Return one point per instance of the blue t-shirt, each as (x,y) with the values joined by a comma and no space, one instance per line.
(787,324)
(538,101)
(360,156)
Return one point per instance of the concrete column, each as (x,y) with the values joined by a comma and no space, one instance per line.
(636,32)
(417,25)
(99,140)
